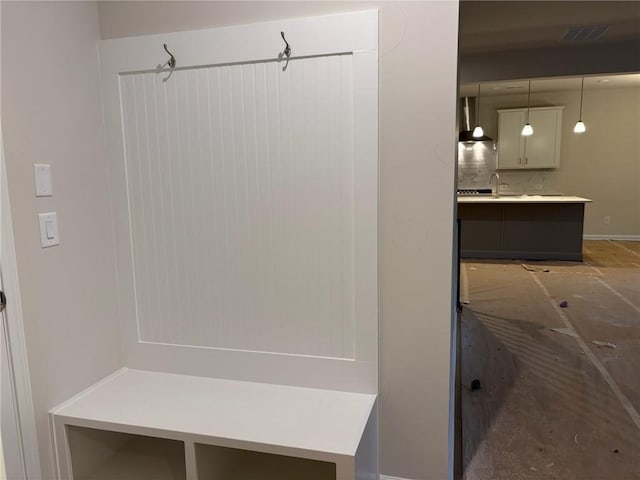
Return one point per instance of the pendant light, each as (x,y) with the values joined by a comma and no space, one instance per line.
(477,131)
(580,127)
(527,130)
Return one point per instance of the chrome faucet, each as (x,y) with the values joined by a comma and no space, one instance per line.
(496,192)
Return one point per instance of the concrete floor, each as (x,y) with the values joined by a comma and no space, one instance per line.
(552,406)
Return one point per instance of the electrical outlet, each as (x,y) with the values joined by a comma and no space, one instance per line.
(539,186)
(504,187)
(607,219)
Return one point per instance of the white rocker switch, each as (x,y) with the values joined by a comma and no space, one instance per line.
(48,229)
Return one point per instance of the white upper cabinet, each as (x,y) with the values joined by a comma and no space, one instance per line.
(510,142)
(540,150)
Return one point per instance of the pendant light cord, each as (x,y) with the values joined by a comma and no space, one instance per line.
(581,96)
(529,101)
(478,119)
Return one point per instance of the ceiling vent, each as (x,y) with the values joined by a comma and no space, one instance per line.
(586,33)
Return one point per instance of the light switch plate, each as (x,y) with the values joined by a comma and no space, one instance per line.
(42,175)
(49,229)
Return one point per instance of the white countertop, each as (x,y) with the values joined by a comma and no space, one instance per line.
(523,199)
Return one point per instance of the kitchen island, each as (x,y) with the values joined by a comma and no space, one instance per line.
(528,227)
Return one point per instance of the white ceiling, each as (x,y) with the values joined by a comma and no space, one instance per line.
(500,26)
(550,85)
(492,26)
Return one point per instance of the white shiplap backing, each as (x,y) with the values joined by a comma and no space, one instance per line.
(240,188)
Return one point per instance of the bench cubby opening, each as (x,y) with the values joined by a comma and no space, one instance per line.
(223,463)
(106,455)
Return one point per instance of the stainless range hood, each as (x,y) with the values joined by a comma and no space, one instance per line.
(468,114)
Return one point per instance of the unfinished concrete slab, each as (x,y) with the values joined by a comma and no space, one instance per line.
(553,404)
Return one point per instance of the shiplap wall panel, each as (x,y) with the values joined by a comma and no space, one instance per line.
(240,188)
(160,301)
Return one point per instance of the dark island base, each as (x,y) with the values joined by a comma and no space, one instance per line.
(527,231)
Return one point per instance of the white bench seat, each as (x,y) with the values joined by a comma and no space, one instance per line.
(233,422)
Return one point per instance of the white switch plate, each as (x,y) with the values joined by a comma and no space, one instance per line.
(48,229)
(42,175)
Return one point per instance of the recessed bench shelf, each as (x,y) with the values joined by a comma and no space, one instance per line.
(136,423)
(220,463)
(106,455)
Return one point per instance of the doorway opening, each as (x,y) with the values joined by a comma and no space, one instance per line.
(551,298)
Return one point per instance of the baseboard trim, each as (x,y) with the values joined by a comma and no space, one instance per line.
(628,238)
(387,477)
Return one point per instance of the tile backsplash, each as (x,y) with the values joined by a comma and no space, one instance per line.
(477,161)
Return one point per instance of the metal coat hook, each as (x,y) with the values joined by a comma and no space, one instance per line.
(286,52)
(287,49)
(172,61)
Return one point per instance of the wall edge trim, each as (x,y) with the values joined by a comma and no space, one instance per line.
(387,477)
(629,238)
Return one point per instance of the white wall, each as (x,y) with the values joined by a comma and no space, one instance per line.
(51,113)
(602,164)
(418,62)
